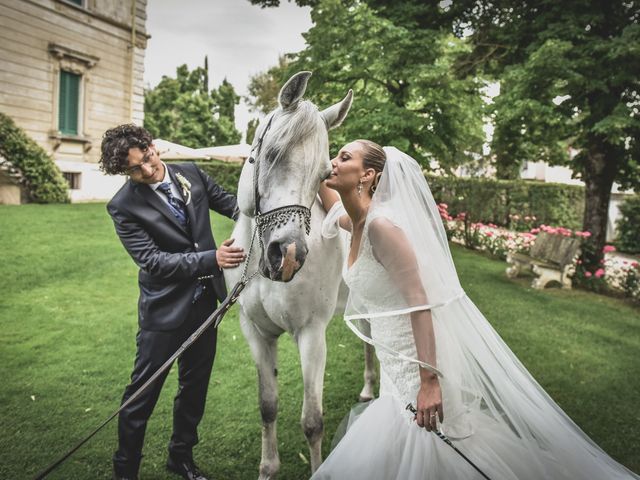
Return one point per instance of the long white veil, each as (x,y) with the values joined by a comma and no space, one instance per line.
(485,386)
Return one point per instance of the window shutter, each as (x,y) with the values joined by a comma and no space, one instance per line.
(69,102)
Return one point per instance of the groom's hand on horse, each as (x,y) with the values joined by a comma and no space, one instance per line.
(228,256)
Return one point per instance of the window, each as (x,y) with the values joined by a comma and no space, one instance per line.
(77,2)
(68,102)
(73,179)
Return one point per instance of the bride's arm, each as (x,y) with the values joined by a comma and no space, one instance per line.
(393,250)
(329,198)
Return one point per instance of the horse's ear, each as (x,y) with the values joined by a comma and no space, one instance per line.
(335,114)
(293,90)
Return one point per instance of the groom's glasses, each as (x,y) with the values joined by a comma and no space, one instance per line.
(135,169)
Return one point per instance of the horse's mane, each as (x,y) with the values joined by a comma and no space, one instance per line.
(292,127)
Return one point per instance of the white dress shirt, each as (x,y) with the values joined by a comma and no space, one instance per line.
(175,191)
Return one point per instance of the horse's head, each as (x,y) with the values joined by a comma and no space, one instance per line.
(289,159)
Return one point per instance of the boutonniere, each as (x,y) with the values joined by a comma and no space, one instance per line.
(186,187)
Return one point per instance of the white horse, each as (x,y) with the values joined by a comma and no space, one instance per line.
(291,154)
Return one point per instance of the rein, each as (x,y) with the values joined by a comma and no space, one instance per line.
(214,319)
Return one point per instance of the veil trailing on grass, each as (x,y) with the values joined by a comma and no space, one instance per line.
(490,400)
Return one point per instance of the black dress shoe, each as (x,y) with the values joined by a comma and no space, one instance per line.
(186,468)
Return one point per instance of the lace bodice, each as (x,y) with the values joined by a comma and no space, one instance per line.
(370,281)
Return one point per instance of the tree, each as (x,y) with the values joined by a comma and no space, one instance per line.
(570,73)
(182,110)
(225,99)
(252,126)
(264,87)
(404,93)
(570,82)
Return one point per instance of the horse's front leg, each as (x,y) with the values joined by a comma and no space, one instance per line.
(265,352)
(313,353)
(367,392)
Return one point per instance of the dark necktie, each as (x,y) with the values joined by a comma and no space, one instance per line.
(176,205)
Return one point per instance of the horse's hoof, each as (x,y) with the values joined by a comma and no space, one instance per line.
(364,398)
(269,472)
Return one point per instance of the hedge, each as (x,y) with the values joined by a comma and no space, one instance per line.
(42,178)
(486,200)
(225,174)
(628,225)
(498,201)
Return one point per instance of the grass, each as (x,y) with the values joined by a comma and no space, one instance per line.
(68,322)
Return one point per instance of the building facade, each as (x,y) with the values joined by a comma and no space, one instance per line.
(69,70)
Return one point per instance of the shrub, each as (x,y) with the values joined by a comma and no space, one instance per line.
(42,178)
(516,204)
(631,282)
(225,174)
(629,225)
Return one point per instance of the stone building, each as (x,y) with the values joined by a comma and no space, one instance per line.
(70,69)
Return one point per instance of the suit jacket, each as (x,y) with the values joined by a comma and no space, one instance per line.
(171,257)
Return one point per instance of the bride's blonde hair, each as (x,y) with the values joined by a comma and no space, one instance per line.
(373,157)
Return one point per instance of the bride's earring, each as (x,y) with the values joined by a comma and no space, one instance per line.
(360,187)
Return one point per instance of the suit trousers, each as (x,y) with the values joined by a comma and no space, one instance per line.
(194,369)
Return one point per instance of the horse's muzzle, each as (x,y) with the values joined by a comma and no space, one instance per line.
(283,260)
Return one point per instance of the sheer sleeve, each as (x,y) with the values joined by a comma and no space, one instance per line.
(331,223)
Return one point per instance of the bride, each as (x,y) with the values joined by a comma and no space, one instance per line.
(438,354)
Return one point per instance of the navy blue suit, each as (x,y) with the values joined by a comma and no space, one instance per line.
(171,257)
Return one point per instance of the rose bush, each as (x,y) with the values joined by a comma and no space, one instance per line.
(613,273)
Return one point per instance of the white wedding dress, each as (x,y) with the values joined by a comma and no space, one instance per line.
(494,411)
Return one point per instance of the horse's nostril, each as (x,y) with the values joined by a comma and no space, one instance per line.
(274,254)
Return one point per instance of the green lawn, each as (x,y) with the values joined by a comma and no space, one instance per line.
(68,323)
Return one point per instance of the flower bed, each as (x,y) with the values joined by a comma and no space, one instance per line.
(615,272)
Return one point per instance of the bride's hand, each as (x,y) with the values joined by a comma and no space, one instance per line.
(429,403)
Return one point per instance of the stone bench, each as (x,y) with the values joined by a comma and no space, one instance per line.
(550,258)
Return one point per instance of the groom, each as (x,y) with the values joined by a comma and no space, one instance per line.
(161,215)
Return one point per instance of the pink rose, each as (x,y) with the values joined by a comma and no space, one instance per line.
(587,274)
(609,248)
(599,273)
(586,234)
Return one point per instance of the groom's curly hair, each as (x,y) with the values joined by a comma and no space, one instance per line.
(116,143)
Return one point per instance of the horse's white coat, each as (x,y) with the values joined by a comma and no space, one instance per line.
(303,306)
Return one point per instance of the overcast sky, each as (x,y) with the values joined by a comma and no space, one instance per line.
(239,38)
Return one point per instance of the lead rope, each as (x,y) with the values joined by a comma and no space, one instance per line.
(215,318)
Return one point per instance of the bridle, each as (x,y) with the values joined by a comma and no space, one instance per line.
(278,216)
